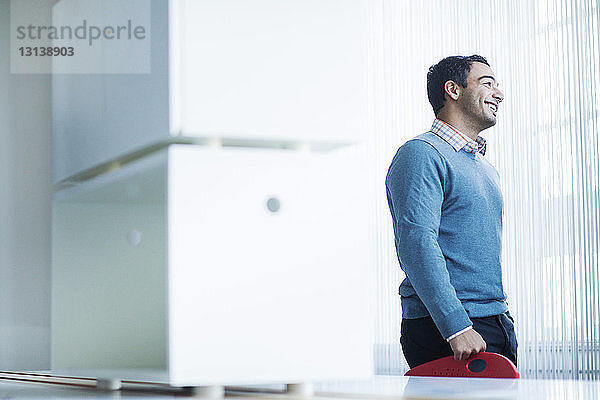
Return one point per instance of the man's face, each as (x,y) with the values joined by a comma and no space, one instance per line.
(481,99)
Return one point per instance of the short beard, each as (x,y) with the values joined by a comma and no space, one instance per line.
(481,121)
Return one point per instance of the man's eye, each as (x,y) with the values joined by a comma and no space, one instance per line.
(488,84)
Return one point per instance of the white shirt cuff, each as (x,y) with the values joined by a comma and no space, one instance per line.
(458,333)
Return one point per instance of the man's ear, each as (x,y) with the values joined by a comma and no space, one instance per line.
(452,89)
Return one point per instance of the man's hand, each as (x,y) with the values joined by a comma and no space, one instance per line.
(467,344)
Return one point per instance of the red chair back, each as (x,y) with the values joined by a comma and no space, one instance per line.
(481,365)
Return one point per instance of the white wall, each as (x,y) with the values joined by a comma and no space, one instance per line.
(25,131)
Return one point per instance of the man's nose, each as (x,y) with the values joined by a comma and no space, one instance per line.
(498,95)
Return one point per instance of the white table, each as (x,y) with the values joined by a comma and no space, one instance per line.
(400,387)
(379,388)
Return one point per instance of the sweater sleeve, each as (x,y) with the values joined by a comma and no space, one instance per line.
(415,183)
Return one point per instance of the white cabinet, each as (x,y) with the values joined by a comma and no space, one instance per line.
(198,245)
(202,266)
(282,72)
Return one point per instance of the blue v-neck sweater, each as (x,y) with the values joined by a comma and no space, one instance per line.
(446,208)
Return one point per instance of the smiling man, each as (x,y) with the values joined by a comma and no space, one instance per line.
(446,207)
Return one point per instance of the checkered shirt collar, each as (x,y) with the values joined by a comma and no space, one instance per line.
(457,139)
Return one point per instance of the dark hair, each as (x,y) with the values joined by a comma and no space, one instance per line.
(454,68)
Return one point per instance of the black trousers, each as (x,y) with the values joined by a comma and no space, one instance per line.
(422,342)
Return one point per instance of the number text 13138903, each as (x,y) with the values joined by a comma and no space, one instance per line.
(47,51)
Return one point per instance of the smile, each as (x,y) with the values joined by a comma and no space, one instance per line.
(492,106)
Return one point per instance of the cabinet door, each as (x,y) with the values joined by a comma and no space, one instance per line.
(269,69)
(268,267)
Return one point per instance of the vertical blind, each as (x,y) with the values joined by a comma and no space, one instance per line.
(545,146)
